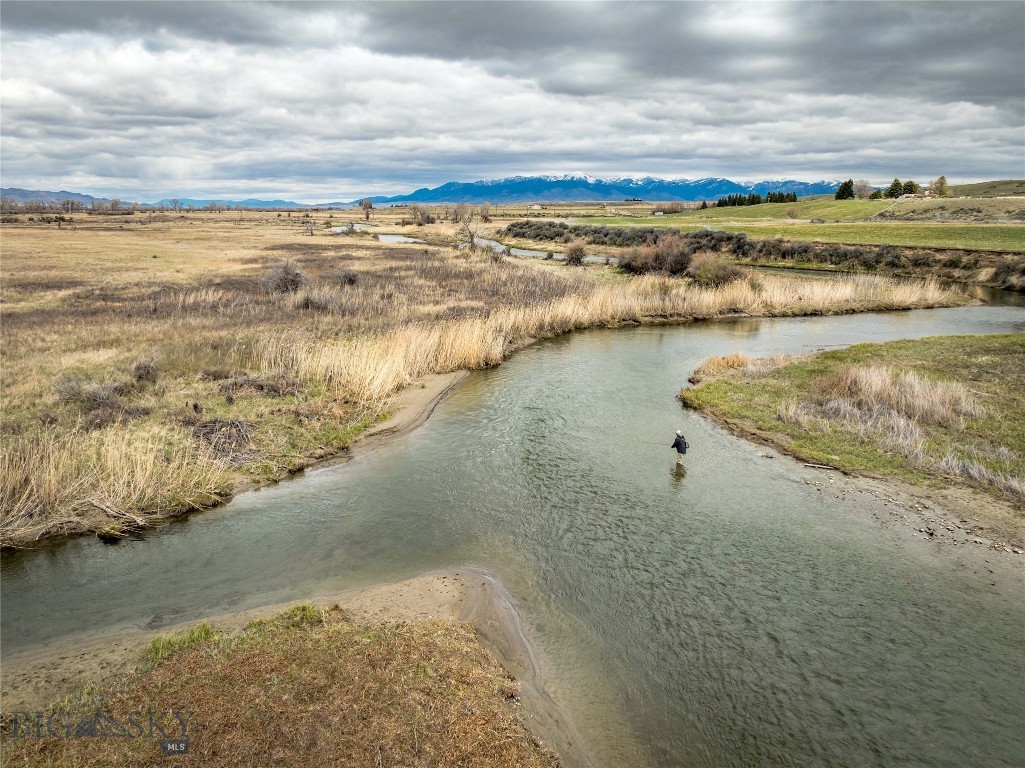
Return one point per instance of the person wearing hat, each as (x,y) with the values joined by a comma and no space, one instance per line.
(681,445)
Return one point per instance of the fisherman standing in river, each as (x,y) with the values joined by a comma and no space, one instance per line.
(681,445)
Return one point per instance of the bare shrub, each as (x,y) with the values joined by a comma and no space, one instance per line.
(670,254)
(317,299)
(638,260)
(713,271)
(81,390)
(346,277)
(226,438)
(673,253)
(670,208)
(285,277)
(575,254)
(145,370)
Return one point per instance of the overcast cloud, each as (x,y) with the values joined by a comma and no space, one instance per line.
(332,101)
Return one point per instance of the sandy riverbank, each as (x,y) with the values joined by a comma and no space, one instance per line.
(33,679)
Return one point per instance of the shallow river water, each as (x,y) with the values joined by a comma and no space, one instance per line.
(729,616)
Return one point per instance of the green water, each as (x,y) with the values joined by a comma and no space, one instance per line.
(729,616)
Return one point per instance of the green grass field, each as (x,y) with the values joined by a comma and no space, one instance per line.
(1003,188)
(967,223)
(817,208)
(983,237)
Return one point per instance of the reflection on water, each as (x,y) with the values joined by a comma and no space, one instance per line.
(728,615)
(676,476)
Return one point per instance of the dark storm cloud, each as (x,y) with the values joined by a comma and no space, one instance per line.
(299,98)
(240,23)
(955,51)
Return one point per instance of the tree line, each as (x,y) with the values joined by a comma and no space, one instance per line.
(863,190)
(755,199)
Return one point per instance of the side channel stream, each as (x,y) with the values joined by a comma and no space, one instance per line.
(734,616)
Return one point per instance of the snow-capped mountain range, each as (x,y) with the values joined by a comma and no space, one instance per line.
(517,189)
(524,189)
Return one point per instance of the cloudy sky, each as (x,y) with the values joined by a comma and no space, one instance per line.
(333,101)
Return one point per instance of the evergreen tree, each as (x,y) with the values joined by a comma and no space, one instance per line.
(911,188)
(846,191)
(876,194)
(896,189)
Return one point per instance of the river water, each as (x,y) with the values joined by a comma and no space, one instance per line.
(733,615)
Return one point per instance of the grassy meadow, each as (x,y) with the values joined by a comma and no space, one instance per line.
(994,224)
(947,409)
(308,687)
(154,363)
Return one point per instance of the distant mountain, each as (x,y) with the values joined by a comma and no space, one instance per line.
(23,195)
(576,187)
(517,189)
(247,203)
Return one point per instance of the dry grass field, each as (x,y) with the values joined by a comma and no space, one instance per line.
(153,363)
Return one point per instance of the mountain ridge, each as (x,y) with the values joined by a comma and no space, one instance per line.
(512,189)
(581,187)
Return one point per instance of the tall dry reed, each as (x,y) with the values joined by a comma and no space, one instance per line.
(904,392)
(370,368)
(52,483)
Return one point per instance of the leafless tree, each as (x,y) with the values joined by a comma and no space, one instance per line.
(461,213)
(115,205)
(421,214)
(862,189)
(367,205)
(8,205)
(485,212)
(176,204)
(939,186)
(469,227)
(70,206)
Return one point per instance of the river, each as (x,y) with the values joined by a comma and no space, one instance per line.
(732,616)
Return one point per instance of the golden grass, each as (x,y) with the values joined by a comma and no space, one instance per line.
(309,688)
(901,391)
(365,319)
(718,364)
(370,369)
(56,482)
